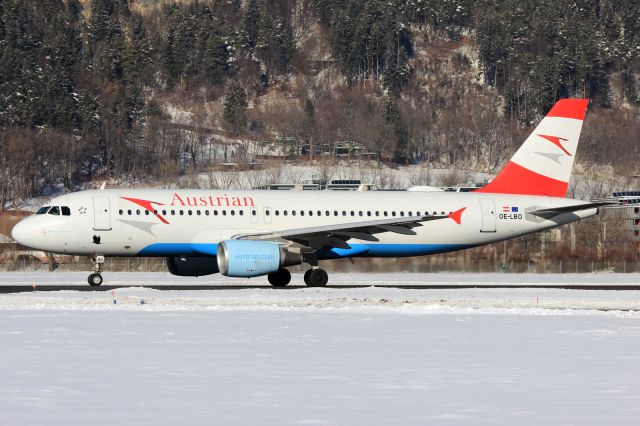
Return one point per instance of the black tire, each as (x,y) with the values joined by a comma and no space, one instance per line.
(280,278)
(318,278)
(306,276)
(95,280)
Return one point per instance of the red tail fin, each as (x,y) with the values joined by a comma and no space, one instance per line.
(543,164)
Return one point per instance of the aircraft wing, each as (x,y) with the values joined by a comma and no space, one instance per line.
(336,236)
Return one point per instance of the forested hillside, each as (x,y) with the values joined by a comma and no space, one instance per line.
(92,89)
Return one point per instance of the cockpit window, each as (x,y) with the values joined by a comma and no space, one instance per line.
(55,210)
(66,211)
(43,210)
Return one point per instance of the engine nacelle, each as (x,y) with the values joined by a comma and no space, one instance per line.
(192,266)
(247,258)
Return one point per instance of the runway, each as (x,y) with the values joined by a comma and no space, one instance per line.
(188,287)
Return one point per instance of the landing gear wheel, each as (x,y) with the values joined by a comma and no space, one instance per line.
(316,278)
(306,276)
(95,280)
(280,278)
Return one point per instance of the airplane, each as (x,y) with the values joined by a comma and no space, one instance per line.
(251,233)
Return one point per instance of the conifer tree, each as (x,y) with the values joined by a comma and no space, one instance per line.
(396,130)
(235,108)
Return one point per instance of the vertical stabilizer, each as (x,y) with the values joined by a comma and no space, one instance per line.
(543,164)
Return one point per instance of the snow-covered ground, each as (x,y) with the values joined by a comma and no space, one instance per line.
(337,356)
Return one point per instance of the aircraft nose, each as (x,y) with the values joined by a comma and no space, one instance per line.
(21,233)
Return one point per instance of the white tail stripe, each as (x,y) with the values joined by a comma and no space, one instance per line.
(550,149)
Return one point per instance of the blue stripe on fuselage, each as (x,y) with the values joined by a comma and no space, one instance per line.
(390,250)
(356,250)
(178,249)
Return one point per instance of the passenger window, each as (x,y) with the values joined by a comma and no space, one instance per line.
(146,212)
(285,213)
(344,213)
(393,213)
(310,212)
(320,213)
(377,213)
(293,212)
(189,212)
(215,212)
(401,213)
(360,213)
(385,213)
(120,212)
(335,212)
(277,212)
(181,212)
(327,213)
(55,210)
(66,211)
(353,213)
(224,212)
(198,212)
(301,212)
(233,212)
(155,211)
(129,212)
(266,212)
(138,212)
(241,212)
(173,212)
(206,212)
(43,210)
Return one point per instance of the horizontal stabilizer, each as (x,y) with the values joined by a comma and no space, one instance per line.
(555,211)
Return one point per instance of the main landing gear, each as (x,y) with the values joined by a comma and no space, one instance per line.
(280,278)
(95,279)
(316,277)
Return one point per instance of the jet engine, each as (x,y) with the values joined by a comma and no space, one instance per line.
(247,258)
(192,266)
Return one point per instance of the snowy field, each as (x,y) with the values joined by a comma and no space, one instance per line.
(335,356)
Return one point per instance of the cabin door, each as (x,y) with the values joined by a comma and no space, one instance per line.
(101,214)
(488,215)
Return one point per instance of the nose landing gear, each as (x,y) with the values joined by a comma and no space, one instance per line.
(95,279)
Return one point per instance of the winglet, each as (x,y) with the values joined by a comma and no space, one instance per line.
(457,215)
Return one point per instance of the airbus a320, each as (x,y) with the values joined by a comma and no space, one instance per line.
(243,233)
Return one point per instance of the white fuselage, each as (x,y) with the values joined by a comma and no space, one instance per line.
(151,222)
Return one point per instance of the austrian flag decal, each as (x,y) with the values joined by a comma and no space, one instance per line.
(508,209)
